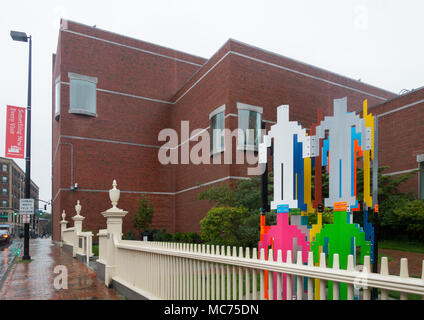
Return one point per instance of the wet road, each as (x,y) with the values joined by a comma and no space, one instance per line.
(8,253)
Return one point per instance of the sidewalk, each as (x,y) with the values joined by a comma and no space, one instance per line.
(34,280)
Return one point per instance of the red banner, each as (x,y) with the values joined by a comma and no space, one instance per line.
(15,132)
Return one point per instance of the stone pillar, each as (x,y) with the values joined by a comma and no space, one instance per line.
(114,218)
(63,224)
(78,219)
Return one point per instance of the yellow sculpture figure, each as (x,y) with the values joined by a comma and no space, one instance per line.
(368,156)
(307,186)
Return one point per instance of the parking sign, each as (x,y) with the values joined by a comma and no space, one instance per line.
(26,206)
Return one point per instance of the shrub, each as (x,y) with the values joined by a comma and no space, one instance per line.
(161,235)
(221,226)
(129,235)
(191,237)
(411,216)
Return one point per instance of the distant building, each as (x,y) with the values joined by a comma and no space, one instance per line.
(12,188)
(112,95)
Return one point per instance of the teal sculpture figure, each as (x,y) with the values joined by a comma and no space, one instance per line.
(340,235)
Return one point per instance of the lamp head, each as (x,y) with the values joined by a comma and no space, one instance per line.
(19,36)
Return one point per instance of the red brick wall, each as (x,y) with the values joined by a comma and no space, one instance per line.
(401,135)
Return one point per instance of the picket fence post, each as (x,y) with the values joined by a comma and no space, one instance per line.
(78,219)
(114,218)
(63,224)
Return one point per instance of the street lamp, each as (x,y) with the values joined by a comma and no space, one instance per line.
(22,37)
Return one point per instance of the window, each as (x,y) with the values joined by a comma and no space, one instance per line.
(57,97)
(249,123)
(420,160)
(4,167)
(4,191)
(82,94)
(217,126)
(4,203)
(4,179)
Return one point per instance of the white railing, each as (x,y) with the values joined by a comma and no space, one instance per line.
(81,242)
(102,235)
(68,236)
(194,272)
(85,245)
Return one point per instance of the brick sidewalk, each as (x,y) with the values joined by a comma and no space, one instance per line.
(34,280)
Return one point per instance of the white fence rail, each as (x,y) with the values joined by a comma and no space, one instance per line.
(81,242)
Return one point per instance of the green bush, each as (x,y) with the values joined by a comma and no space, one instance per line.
(129,235)
(161,235)
(411,218)
(221,226)
(191,237)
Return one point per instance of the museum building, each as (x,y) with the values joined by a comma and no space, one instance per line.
(112,96)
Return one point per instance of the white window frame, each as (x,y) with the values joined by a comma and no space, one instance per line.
(3,166)
(244,106)
(214,113)
(56,97)
(76,76)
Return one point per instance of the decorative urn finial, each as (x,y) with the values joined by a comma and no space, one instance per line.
(114,195)
(78,208)
(63,215)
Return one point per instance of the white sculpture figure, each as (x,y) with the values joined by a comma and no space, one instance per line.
(283,133)
(340,151)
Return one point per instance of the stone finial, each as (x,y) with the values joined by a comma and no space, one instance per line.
(63,215)
(114,195)
(78,208)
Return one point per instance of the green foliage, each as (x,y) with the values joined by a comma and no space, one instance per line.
(143,217)
(411,216)
(129,235)
(186,237)
(161,235)
(243,193)
(221,225)
(327,217)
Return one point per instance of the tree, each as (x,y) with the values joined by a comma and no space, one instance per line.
(144,215)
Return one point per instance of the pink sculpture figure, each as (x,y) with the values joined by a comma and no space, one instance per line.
(281,236)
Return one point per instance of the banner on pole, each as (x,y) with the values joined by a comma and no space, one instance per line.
(15,132)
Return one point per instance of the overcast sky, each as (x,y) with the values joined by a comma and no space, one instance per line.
(377,41)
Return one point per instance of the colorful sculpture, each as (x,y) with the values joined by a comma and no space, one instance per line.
(335,143)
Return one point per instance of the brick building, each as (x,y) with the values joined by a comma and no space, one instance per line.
(12,181)
(112,96)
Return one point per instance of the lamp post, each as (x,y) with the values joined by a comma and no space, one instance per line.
(22,37)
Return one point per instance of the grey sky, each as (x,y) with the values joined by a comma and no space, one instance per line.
(380,42)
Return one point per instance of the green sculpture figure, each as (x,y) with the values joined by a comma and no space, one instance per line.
(342,238)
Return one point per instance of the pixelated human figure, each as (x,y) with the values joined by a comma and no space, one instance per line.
(284,139)
(280,237)
(340,151)
(339,237)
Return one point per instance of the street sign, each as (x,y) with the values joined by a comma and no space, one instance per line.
(26,218)
(26,206)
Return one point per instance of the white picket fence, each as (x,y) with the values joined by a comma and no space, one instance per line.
(161,270)
(195,272)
